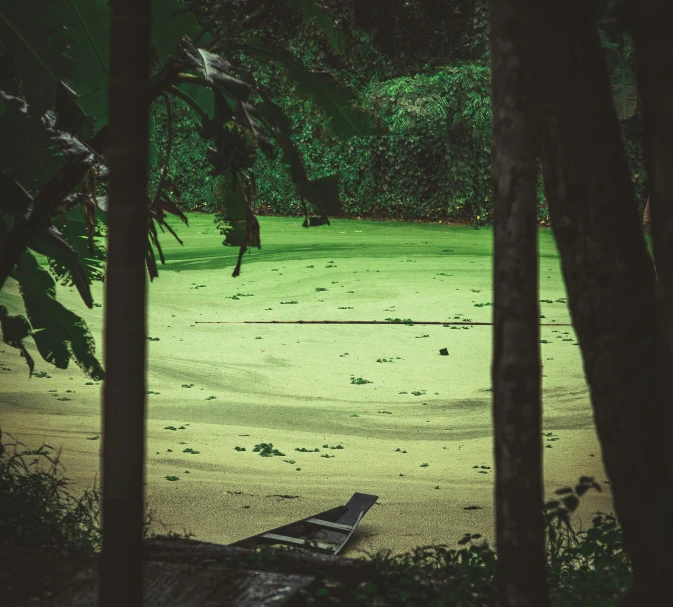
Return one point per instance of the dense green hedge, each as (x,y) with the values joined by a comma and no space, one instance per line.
(434,163)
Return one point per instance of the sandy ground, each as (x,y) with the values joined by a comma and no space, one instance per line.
(293,387)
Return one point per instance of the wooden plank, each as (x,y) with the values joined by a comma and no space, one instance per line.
(350,533)
(295,541)
(329,525)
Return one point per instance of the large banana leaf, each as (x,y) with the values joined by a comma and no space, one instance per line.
(69,40)
(624,91)
(620,57)
(169,23)
(70,249)
(14,330)
(28,153)
(322,194)
(14,200)
(38,44)
(65,335)
(336,100)
(50,243)
(212,68)
(33,223)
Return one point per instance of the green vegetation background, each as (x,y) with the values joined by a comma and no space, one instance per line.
(433,164)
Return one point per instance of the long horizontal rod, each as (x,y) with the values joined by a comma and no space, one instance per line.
(350,322)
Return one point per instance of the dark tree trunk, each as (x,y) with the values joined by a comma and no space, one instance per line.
(654,54)
(521,573)
(610,278)
(652,38)
(121,573)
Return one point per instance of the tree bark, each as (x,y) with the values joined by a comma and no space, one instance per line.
(654,56)
(655,65)
(121,572)
(611,283)
(521,578)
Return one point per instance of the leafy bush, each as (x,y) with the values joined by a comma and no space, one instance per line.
(38,509)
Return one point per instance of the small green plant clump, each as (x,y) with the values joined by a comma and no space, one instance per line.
(267,450)
(360,381)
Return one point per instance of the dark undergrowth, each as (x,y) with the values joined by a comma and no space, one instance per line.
(38,510)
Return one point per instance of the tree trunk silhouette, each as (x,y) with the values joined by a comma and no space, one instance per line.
(516,372)
(655,65)
(655,62)
(121,574)
(610,278)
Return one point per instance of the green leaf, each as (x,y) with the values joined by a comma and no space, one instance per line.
(280,126)
(624,92)
(244,113)
(70,117)
(65,335)
(231,219)
(333,98)
(70,40)
(33,151)
(170,21)
(33,35)
(212,68)
(4,231)
(14,330)
(14,200)
(27,151)
(50,243)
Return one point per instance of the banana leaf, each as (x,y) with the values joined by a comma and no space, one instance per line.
(69,40)
(65,335)
(624,92)
(34,36)
(212,68)
(28,153)
(14,330)
(336,100)
(14,200)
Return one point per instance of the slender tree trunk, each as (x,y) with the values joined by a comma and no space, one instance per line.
(521,574)
(612,291)
(121,568)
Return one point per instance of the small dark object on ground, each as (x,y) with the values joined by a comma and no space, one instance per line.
(444,351)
